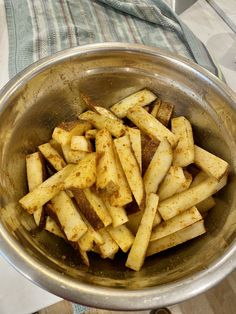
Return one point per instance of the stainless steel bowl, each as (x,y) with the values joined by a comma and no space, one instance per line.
(45,94)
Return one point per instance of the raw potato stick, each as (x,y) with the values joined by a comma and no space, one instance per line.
(135,139)
(79,142)
(87,209)
(184,200)
(68,217)
(176,238)
(164,113)
(115,127)
(184,151)
(52,156)
(56,146)
(138,250)
(86,241)
(52,227)
(106,112)
(122,236)
(185,219)
(171,183)
(156,107)
(64,132)
(140,98)
(36,173)
(158,167)
(187,183)
(107,177)
(72,156)
(99,206)
(109,248)
(118,214)
(123,195)
(46,191)
(131,168)
(209,163)
(150,125)
(84,173)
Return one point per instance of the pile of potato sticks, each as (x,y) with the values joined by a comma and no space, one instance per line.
(120,179)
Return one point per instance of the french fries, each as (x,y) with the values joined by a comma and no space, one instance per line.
(130,185)
(209,163)
(68,217)
(135,139)
(185,219)
(46,191)
(151,126)
(141,98)
(107,177)
(131,168)
(79,142)
(138,250)
(158,167)
(83,174)
(36,173)
(64,132)
(184,151)
(184,200)
(164,113)
(176,238)
(172,182)
(115,127)
(52,156)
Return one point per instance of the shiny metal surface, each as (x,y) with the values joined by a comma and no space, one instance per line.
(45,94)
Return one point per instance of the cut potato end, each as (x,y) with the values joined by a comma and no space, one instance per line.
(184,151)
(52,227)
(52,156)
(68,217)
(118,214)
(140,98)
(185,219)
(158,167)
(156,107)
(131,168)
(109,248)
(176,238)
(122,236)
(211,164)
(115,127)
(81,143)
(72,156)
(138,250)
(151,126)
(205,205)
(84,173)
(107,176)
(164,113)
(187,183)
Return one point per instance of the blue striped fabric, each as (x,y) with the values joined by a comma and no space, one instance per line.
(38,28)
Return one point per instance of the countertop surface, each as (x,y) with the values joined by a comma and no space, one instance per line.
(17,294)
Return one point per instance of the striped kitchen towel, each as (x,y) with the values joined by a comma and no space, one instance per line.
(38,28)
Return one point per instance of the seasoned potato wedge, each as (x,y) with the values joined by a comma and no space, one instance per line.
(156,106)
(109,248)
(184,200)
(52,156)
(148,148)
(164,113)
(138,250)
(158,167)
(135,139)
(184,151)
(187,183)
(131,168)
(151,126)
(141,98)
(115,127)
(36,173)
(206,205)
(68,217)
(46,191)
(172,182)
(106,112)
(64,132)
(185,219)
(209,163)
(118,214)
(107,176)
(52,227)
(84,173)
(86,241)
(122,236)
(81,143)
(176,238)
(72,156)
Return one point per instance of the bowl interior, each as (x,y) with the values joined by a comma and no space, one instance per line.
(52,95)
